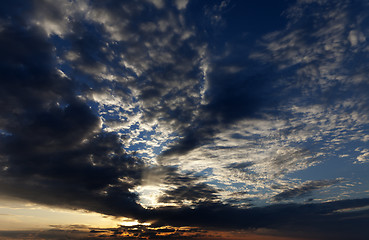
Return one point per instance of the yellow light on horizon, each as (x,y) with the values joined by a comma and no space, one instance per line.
(16,214)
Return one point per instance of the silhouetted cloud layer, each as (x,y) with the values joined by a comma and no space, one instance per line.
(52,148)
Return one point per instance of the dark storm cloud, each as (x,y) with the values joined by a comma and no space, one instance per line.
(146,50)
(195,193)
(88,47)
(52,148)
(333,220)
(345,219)
(305,189)
(166,62)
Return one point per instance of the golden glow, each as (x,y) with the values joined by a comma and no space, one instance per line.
(127,222)
(169,232)
(20,215)
(149,195)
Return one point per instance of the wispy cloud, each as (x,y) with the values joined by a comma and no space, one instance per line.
(305,189)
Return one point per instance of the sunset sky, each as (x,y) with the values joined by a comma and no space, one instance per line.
(184,119)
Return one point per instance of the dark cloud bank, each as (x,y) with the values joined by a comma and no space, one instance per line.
(54,152)
(52,148)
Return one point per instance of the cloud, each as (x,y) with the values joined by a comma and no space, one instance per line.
(332,220)
(133,232)
(240,166)
(305,189)
(79,79)
(146,232)
(283,102)
(230,96)
(54,151)
(151,64)
(363,157)
(324,220)
(194,194)
(66,157)
(181,4)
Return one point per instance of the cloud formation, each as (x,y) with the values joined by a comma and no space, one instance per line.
(53,150)
(107,104)
(304,189)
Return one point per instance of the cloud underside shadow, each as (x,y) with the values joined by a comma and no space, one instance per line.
(334,220)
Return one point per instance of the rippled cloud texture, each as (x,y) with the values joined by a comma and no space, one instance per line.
(207,119)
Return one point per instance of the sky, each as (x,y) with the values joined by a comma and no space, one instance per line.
(184,119)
